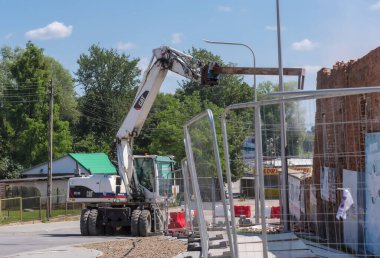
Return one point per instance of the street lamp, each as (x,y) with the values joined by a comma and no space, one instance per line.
(257,128)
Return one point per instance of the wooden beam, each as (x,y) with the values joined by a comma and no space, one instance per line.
(257,71)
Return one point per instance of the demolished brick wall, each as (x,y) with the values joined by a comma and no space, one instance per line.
(341,126)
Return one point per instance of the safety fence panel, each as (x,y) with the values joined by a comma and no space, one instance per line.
(337,204)
(189,200)
(165,202)
(172,203)
(180,208)
(332,157)
(212,210)
(242,172)
(284,221)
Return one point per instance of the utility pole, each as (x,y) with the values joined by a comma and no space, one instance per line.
(50,152)
(284,200)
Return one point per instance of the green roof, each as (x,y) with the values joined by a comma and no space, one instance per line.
(95,163)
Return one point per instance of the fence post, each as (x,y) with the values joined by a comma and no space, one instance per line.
(65,205)
(57,198)
(40,209)
(213,201)
(21,208)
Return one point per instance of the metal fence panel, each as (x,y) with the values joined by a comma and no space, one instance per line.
(19,209)
(206,174)
(189,201)
(340,135)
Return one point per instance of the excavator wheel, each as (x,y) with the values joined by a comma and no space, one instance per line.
(95,227)
(145,223)
(83,222)
(135,222)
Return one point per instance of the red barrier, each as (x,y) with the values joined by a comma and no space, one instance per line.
(242,210)
(177,220)
(275,212)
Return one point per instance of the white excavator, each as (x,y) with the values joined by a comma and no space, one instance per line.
(133,198)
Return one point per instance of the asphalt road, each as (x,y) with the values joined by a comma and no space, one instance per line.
(46,240)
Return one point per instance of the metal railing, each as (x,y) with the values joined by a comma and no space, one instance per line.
(21,209)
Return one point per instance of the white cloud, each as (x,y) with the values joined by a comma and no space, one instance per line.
(53,30)
(375,6)
(176,38)
(274,28)
(312,68)
(8,36)
(125,45)
(304,45)
(224,8)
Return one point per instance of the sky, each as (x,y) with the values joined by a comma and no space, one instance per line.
(314,33)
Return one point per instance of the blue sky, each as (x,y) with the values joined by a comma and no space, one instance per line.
(315,33)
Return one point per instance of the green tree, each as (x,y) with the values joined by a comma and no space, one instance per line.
(295,120)
(231,88)
(25,107)
(64,91)
(162,133)
(9,169)
(109,81)
(240,125)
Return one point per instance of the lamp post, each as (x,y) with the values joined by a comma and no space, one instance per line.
(257,116)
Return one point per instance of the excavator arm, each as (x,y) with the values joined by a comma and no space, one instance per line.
(164,59)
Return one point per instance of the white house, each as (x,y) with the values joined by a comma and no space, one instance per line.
(34,181)
(74,164)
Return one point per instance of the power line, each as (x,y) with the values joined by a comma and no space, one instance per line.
(19,96)
(19,101)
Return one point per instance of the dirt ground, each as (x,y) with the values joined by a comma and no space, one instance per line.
(141,247)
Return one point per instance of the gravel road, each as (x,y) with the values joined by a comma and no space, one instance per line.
(142,247)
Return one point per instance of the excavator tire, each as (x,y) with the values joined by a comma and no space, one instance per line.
(135,222)
(94,225)
(145,223)
(83,222)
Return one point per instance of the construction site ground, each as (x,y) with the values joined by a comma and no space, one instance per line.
(284,245)
(62,239)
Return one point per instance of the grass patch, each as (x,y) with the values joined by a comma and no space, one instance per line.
(11,216)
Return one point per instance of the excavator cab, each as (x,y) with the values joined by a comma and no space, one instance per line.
(145,172)
(154,176)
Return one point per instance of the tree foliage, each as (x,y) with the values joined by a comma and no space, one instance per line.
(9,169)
(231,88)
(25,79)
(162,133)
(295,121)
(109,81)
(64,91)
